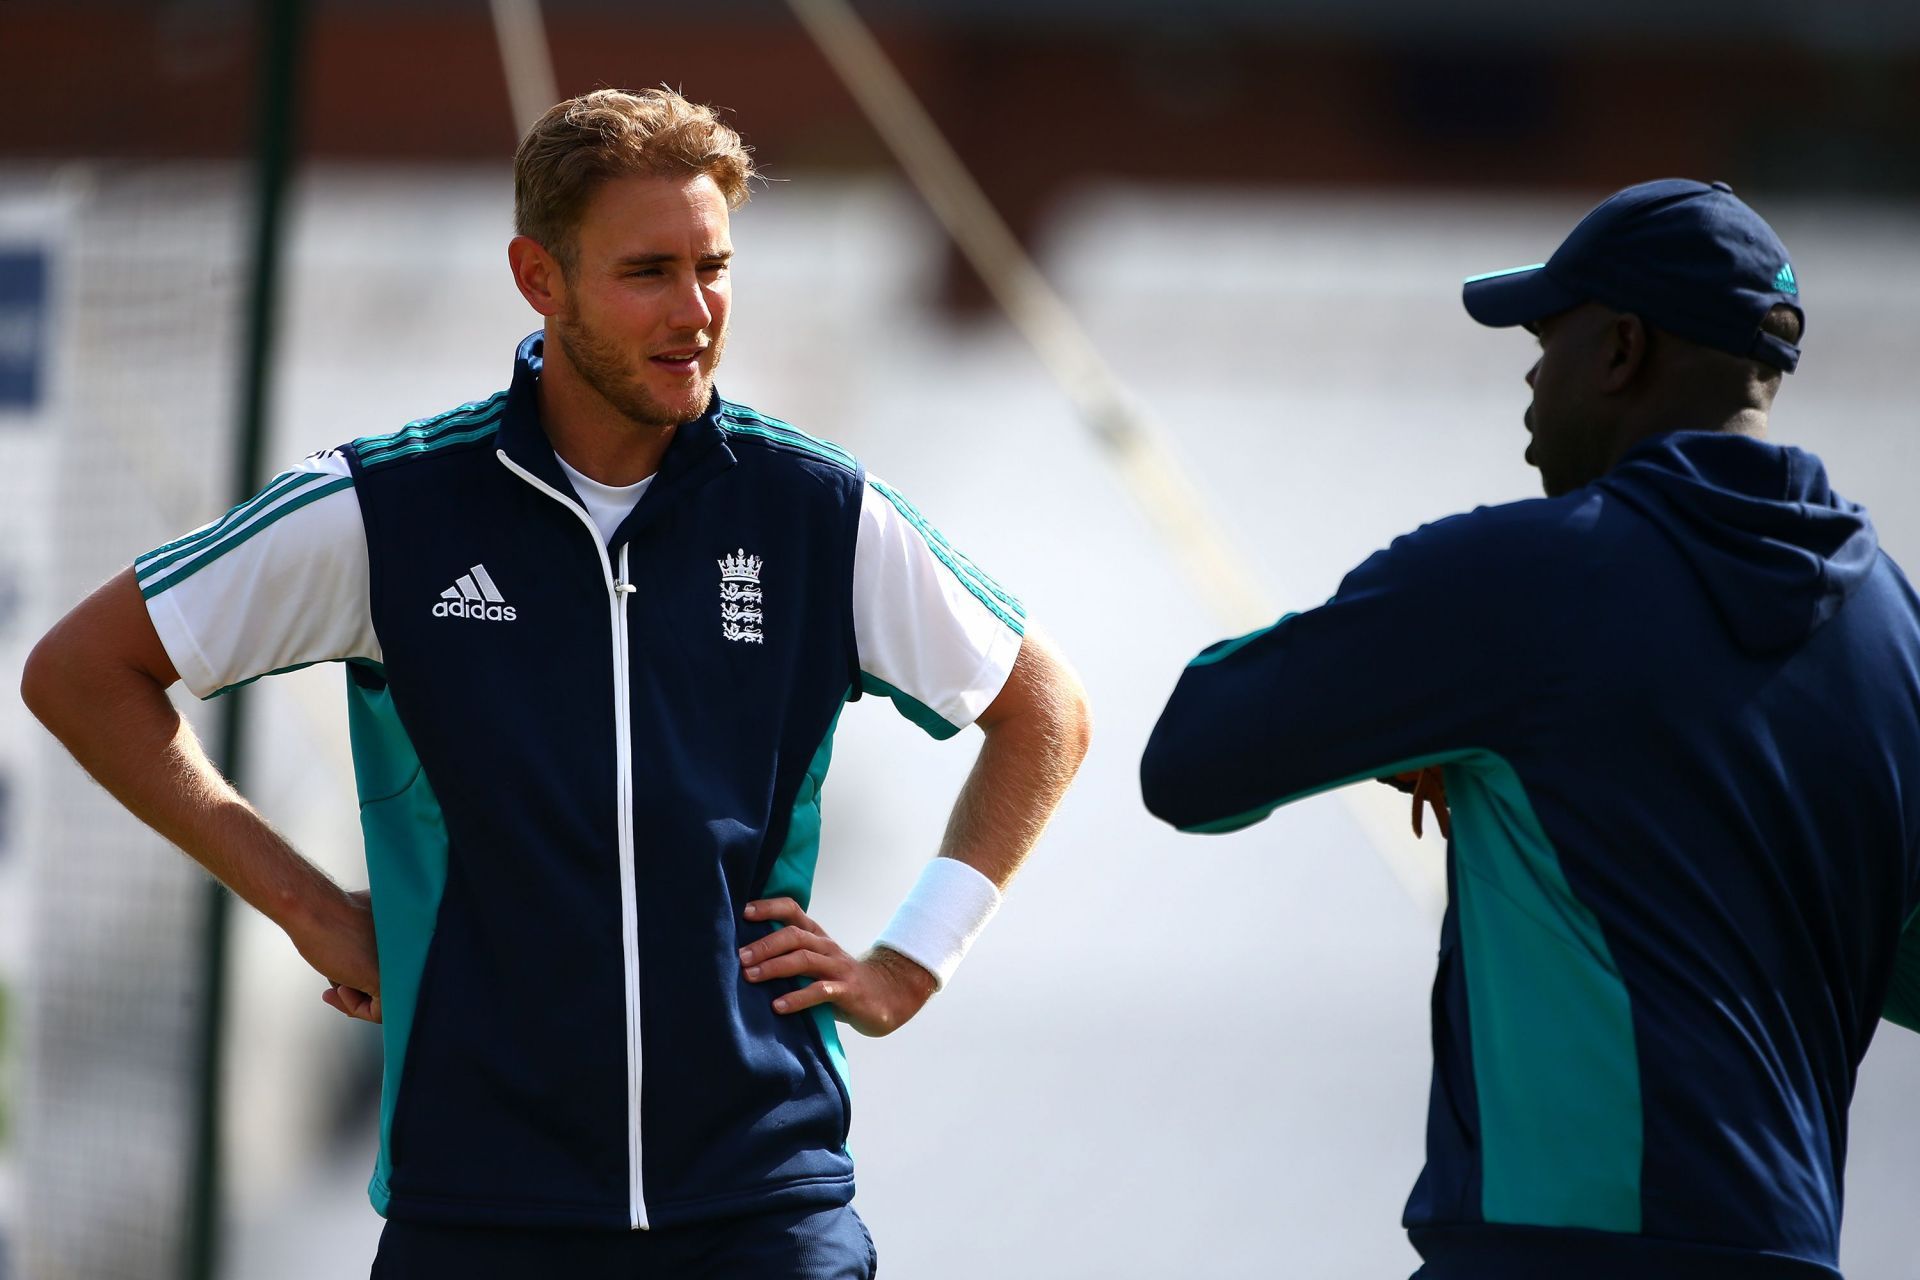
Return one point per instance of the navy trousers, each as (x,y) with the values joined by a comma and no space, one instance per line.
(807,1244)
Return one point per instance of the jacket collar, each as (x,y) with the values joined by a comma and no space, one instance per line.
(697,453)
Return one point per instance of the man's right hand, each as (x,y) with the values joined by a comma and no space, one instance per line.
(98,680)
(340,945)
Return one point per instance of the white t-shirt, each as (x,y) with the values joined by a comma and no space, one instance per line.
(608,504)
(281,581)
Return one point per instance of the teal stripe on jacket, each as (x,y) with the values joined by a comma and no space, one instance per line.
(172,570)
(792,877)
(406,840)
(1556,1069)
(983,588)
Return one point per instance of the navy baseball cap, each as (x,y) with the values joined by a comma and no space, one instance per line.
(1688,257)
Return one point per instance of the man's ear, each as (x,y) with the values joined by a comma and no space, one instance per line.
(1624,350)
(538,275)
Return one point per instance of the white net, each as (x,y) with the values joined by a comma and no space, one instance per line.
(145,306)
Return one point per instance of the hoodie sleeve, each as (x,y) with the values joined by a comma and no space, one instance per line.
(1408,665)
(1903,996)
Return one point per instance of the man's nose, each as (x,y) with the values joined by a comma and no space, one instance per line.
(1533,373)
(690,309)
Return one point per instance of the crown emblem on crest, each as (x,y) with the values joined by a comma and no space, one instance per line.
(740,567)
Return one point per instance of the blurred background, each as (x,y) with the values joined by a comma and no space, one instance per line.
(284,223)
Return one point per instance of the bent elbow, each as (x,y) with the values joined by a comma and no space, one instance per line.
(1052,706)
(1076,723)
(1162,778)
(40,678)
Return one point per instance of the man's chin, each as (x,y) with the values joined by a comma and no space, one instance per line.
(694,391)
(689,407)
(670,409)
(1559,486)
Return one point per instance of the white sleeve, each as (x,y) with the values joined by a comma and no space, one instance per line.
(935,633)
(278,582)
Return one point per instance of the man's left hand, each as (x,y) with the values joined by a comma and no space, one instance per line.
(874,994)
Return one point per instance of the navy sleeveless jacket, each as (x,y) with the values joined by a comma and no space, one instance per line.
(626,743)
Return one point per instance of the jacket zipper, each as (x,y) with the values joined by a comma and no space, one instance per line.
(629,910)
(618,589)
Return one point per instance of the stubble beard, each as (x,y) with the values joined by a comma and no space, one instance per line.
(614,377)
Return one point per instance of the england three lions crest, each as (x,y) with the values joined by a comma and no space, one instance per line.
(740,612)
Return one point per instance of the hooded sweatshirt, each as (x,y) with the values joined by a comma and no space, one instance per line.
(1677,713)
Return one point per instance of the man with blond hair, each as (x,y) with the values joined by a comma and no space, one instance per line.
(598,629)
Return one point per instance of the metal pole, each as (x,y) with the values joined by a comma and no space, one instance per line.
(1152,475)
(282,29)
(522,36)
(1131,441)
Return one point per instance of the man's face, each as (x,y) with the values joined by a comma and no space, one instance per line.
(644,319)
(1567,417)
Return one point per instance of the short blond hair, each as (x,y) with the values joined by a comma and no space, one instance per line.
(612,133)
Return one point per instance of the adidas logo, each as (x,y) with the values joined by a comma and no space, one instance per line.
(474,596)
(1785,282)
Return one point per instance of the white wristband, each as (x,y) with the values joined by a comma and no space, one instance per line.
(944,912)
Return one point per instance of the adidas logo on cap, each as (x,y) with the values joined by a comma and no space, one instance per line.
(474,596)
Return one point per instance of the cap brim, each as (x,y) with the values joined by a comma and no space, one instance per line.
(1518,295)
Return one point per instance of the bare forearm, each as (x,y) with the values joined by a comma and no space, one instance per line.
(1030,756)
(120,726)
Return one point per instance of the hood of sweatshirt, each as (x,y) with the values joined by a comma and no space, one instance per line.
(1778,551)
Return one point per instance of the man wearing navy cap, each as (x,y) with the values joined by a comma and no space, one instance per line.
(1672,707)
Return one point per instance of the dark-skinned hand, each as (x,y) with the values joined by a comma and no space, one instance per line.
(1429,790)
